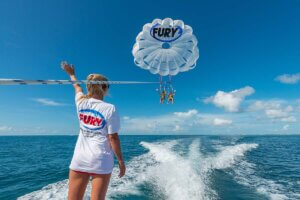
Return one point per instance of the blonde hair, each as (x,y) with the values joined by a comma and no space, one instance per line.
(93,89)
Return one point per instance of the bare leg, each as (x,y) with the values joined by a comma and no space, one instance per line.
(99,186)
(77,185)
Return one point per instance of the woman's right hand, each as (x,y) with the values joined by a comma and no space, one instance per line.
(122,169)
(67,68)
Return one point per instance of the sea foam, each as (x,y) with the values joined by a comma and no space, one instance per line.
(246,174)
(170,173)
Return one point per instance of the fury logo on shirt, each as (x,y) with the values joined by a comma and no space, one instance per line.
(91,119)
(87,119)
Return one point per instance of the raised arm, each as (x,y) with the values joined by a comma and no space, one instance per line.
(69,69)
(116,147)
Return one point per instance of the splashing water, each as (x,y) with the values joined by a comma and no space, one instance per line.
(170,173)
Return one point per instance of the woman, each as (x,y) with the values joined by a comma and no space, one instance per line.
(98,139)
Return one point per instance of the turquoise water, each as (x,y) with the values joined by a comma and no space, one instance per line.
(160,167)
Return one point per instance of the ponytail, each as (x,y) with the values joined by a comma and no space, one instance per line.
(96,88)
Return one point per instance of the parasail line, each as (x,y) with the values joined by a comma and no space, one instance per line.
(65,82)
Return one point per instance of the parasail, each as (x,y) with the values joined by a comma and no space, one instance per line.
(166,47)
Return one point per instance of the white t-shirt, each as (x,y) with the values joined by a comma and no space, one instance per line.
(97,119)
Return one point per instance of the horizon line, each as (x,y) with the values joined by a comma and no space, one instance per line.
(279,134)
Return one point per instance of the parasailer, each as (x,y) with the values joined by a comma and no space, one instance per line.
(163,95)
(166,47)
(171,95)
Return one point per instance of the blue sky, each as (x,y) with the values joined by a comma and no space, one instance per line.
(238,87)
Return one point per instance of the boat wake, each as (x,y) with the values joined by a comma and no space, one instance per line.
(169,170)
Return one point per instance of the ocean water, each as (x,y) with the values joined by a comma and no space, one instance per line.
(160,167)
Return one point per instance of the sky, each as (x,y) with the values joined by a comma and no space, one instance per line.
(246,81)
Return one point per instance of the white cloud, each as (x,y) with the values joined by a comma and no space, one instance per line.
(221,122)
(274,110)
(30,130)
(126,117)
(177,128)
(276,113)
(48,102)
(285,127)
(5,128)
(289,119)
(288,78)
(263,105)
(189,113)
(177,122)
(230,101)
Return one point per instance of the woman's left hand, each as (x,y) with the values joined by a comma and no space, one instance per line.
(122,169)
(69,68)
